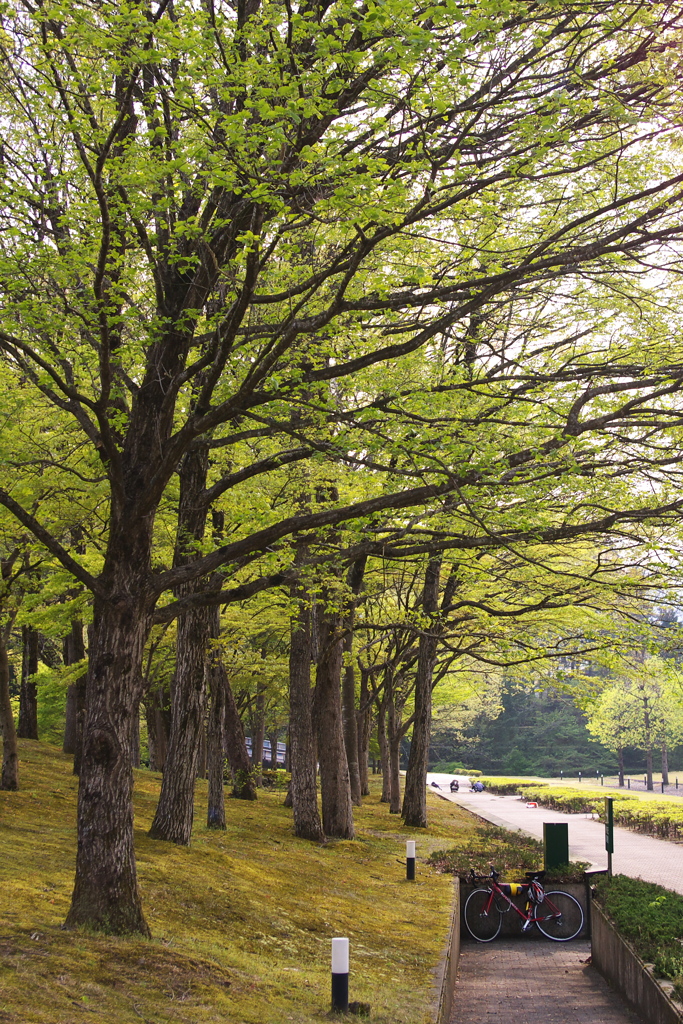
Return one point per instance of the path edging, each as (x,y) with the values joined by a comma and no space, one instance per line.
(448,967)
(621,966)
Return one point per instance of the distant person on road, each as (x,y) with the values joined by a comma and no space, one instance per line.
(436,785)
(477,787)
(455,785)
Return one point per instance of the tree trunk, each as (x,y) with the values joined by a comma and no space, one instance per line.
(621,766)
(384,751)
(258,733)
(106,895)
(363,722)
(307,823)
(415,796)
(175,810)
(334,772)
(355,582)
(10,757)
(394,743)
(215,745)
(27,728)
(74,651)
(273,738)
(235,744)
(665,764)
(648,744)
(158,717)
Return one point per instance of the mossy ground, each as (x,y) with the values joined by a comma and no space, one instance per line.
(241,919)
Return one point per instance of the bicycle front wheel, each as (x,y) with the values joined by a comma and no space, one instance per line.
(482,916)
(559,916)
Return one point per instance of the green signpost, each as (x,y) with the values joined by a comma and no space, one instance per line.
(609,832)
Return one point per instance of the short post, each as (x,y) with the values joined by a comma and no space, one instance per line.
(676,782)
(602,780)
(629,783)
(645,781)
(662,785)
(560,775)
(340,975)
(609,832)
(410,860)
(579,776)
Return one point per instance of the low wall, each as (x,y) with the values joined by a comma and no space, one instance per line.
(621,966)
(448,968)
(512,922)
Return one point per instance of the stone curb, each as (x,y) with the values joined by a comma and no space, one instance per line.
(623,969)
(445,973)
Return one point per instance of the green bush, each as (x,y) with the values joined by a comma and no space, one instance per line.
(511,853)
(650,917)
(453,768)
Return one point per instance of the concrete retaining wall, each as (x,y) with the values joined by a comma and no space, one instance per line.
(512,922)
(448,968)
(620,965)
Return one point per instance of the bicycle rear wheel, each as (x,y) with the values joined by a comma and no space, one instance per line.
(559,916)
(482,916)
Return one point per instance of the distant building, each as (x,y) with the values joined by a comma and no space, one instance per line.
(281,752)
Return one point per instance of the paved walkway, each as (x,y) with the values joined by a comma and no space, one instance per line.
(654,860)
(511,981)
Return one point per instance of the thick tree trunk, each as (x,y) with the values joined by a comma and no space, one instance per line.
(215,745)
(334,771)
(10,758)
(106,895)
(307,823)
(27,727)
(415,796)
(74,651)
(665,764)
(175,810)
(384,751)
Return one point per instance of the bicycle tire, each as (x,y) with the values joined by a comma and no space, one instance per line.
(482,926)
(565,927)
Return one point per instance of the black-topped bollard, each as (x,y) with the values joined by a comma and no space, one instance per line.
(410,860)
(340,975)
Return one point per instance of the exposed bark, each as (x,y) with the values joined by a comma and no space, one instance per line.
(215,745)
(73,652)
(27,727)
(106,895)
(10,757)
(363,729)
(384,751)
(620,752)
(665,764)
(175,810)
(415,795)
(158,715)
(394,742)
(235,744)
(334,771)
(307,823)
(258,734)
(355,582)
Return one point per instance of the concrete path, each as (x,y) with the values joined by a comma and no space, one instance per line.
(654,860)
(511,981)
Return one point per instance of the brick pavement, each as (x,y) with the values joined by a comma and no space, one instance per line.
(654,860)
(511,981)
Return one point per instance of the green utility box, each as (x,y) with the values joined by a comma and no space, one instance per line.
(555,844)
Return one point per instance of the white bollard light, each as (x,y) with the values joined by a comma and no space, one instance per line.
(410,860)
(340,975)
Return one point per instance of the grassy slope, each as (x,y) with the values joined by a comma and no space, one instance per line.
(242,919)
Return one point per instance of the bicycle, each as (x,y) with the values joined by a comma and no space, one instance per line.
(557,915)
